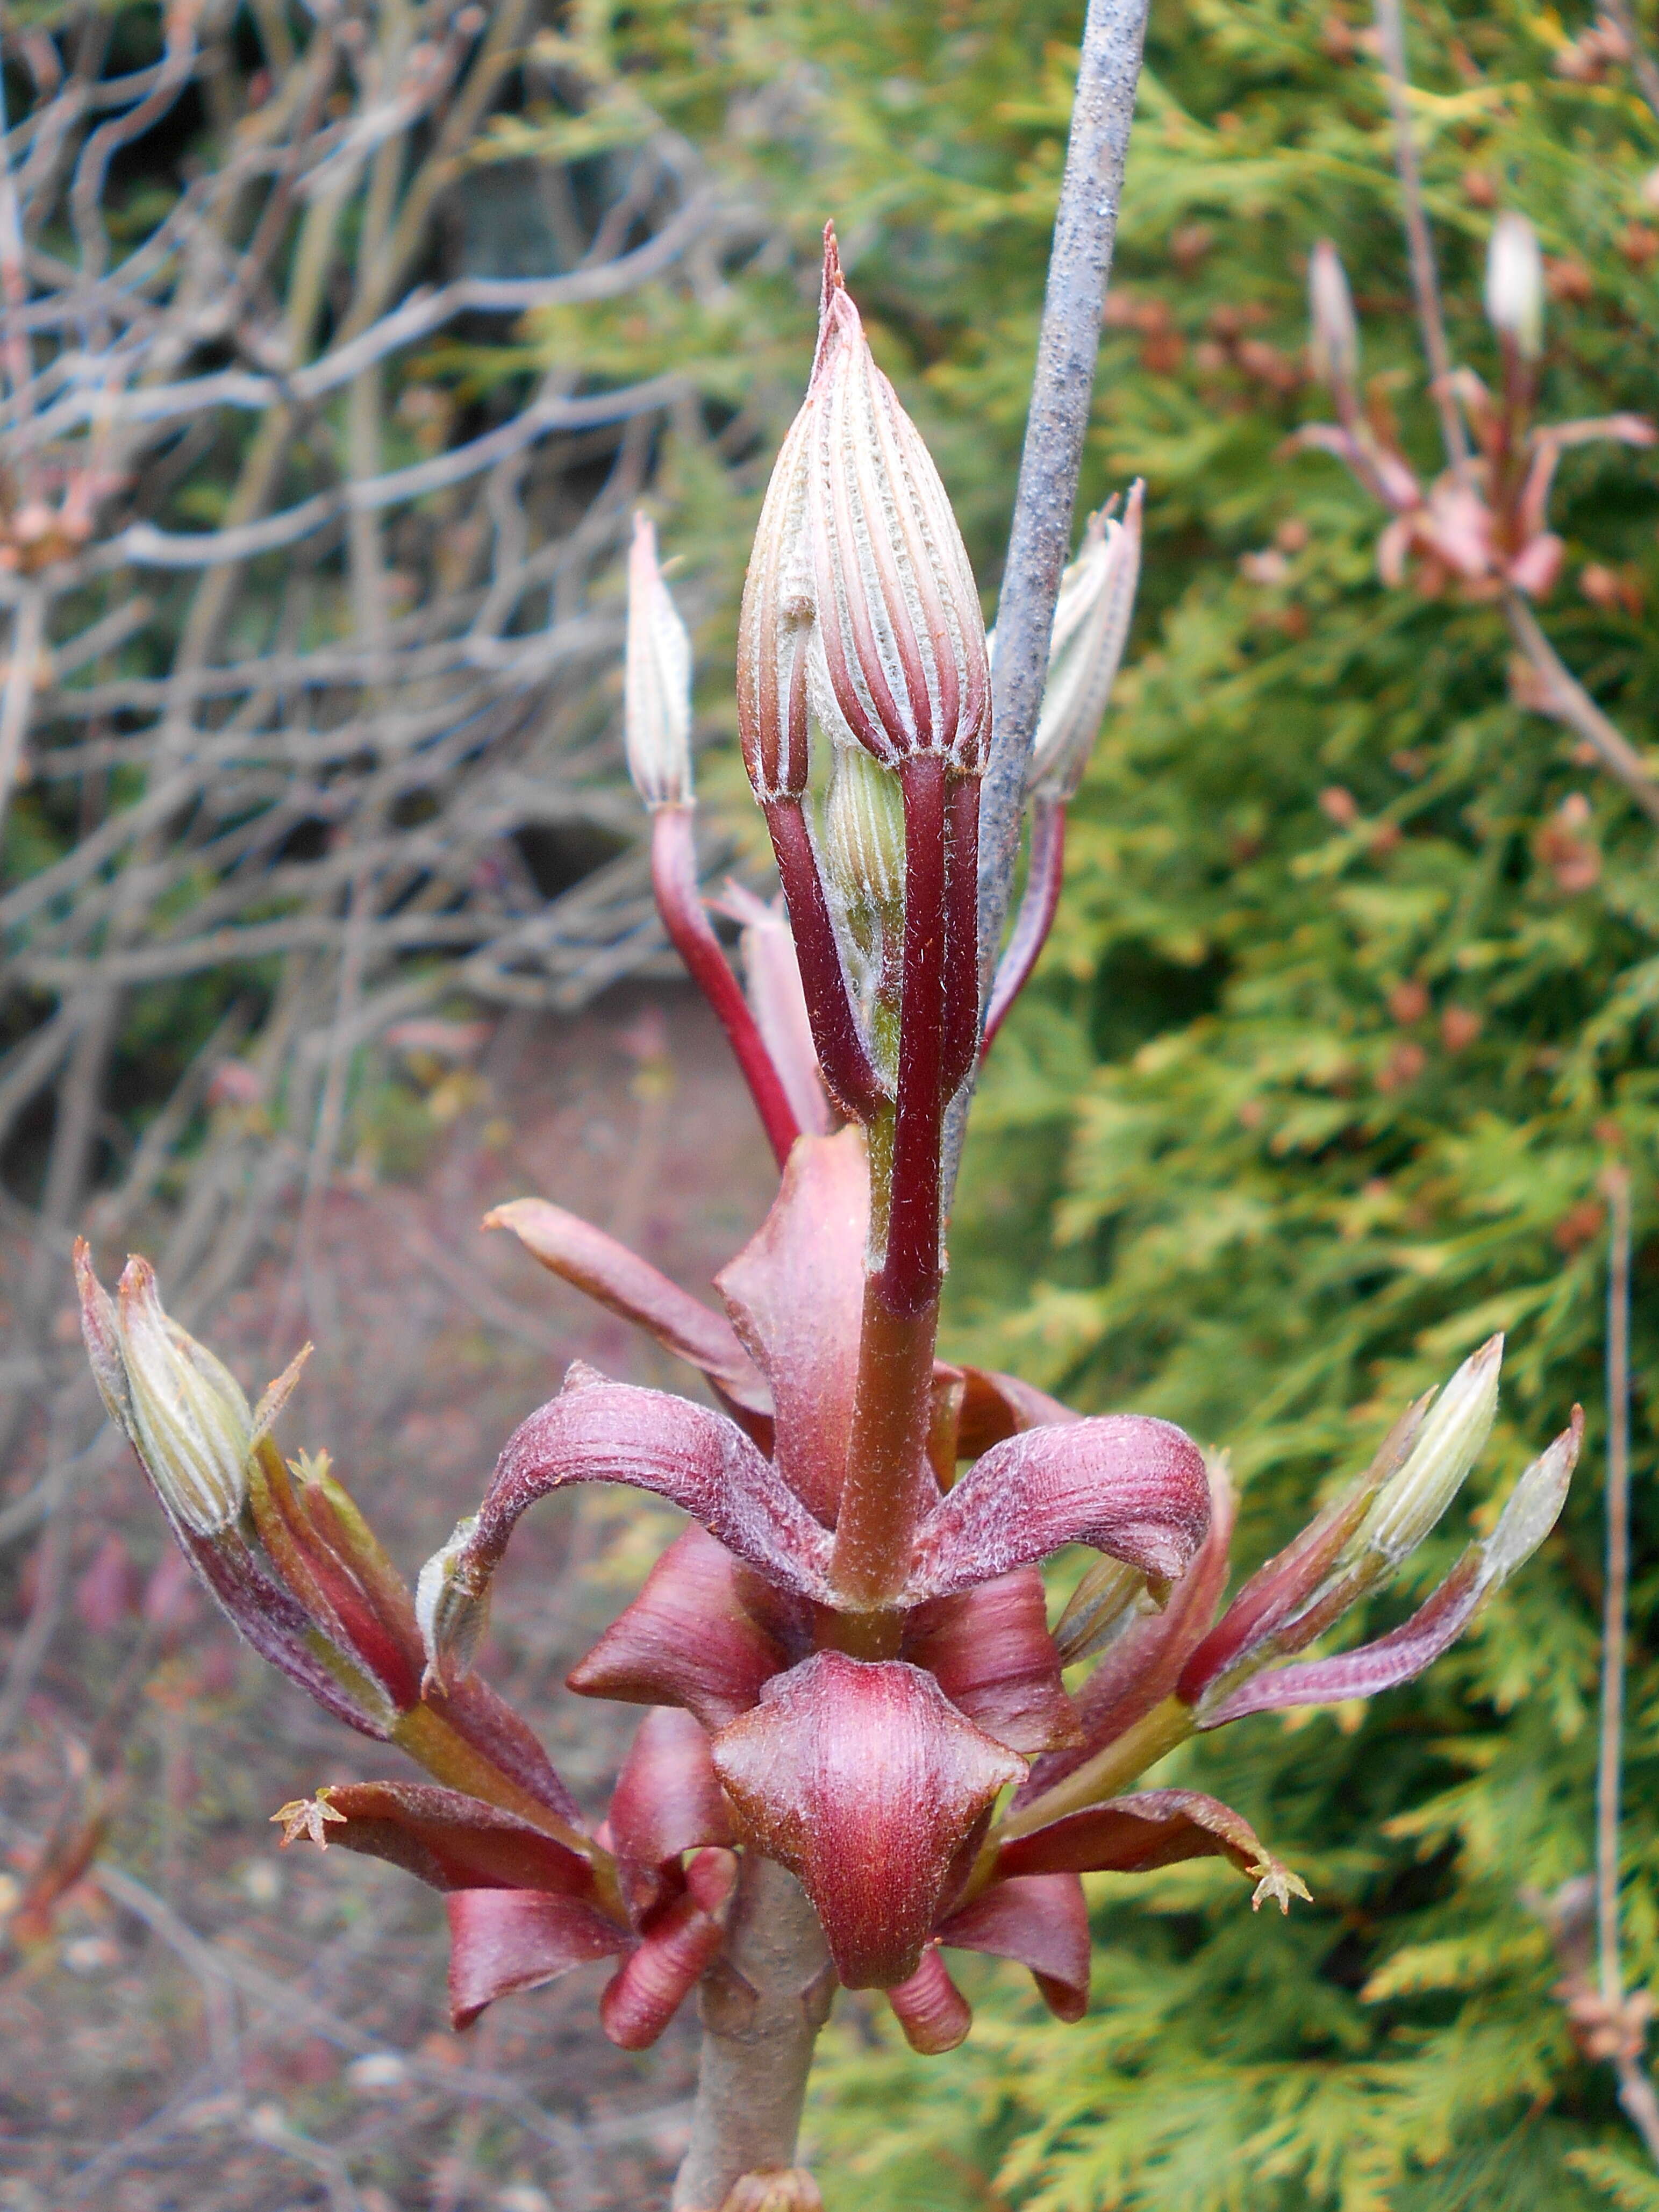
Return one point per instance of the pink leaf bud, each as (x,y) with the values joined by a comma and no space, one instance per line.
(1091,624)
(1333,337)
(859,599)
(1514,284)
(657,684)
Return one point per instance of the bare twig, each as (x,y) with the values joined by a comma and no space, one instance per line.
(1558,694)
(1085,231)
(1616,1185)
(1643,66)
(1391,33)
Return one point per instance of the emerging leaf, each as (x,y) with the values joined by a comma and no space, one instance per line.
(866,1782)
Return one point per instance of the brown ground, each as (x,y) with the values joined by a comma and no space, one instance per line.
(205,2022)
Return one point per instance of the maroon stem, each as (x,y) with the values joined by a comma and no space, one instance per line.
(910,1272)
(841,1053)
(886,1464)
(1043,873)
(674,880)
(961,1044)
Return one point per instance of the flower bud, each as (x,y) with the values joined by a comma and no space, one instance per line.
(452,1607)
(1333,338)
(1514,284)
(860,600)
(657,683)
(864,833)
(181,1409)
(1092,623)
(1448,1444)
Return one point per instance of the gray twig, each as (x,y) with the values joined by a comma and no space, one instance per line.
(1085,231)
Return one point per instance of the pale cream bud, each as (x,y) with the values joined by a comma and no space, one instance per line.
(657,682)
(1453,1434)
(1092,623)
(1514,284)
(191,1423)
(1334,335)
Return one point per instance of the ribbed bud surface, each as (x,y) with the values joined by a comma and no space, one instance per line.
(859,599)
(1091,625)
(184,1410)
(864,832)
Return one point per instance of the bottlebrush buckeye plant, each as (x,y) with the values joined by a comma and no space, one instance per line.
(859,1750)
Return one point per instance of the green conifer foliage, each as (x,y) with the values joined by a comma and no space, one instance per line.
(1351,999)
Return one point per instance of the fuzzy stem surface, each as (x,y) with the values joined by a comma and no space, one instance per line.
(762,2004)
(1085,230)
(886,1454)
(910,1268)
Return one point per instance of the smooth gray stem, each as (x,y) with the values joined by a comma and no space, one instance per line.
(1085,230)
(762,2006)
(1425,283)
(1615,1183)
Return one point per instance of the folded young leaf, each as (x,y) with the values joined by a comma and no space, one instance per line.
(1148,1829)
(691,1636)
(1140,1669)
(667,1799)
(1125,1484)
(597,1430)
(676,1949)
(282,1632)
(488,1723)
(610,1273)
(1042,1920)
(1534,1506)
(1275,1590)
(930,2007)
(997,1406)
(504,1940)
(795,1294)
(864,1780)
(453,1841)
(990,1651)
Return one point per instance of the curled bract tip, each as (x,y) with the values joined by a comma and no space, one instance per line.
(452,1606)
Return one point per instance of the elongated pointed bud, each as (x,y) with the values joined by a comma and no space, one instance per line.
(657,682)
(182,1410)
(1452,1435)
(859,598)
(1514,284)
(1092,626)
(864,833)
(1333,333)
